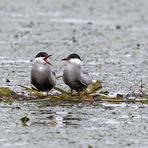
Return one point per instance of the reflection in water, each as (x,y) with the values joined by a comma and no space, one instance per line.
(72,123)
(58,118)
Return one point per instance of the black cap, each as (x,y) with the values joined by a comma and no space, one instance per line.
(42,54)
(74,56)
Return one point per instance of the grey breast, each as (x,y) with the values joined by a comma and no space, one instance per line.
(75,78)
(42,77)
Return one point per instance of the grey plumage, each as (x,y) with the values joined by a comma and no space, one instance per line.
(75,77)
(42,77)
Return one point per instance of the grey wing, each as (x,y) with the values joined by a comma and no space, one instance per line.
(85,79)
(64,79)
(50,75)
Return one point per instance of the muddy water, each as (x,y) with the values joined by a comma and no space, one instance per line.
(110,36)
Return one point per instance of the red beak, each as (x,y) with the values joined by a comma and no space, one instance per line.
(65,59)
(45,59)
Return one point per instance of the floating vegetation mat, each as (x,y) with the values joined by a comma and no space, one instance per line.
(92,94)
(8,96)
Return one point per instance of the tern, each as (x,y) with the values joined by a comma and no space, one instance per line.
(42,76)
(73,75)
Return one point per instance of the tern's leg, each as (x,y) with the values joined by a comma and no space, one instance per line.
(71,91)
(78,93)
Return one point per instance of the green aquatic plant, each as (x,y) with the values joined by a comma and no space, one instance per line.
(92,94)
(94,87)
(25,120)
(64,96)
(7,96)
(33,93)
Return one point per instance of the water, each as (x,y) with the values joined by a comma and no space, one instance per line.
(111,38)
(73,126)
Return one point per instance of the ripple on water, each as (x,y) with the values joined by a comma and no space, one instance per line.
(7,61)
(85,21)
(56,118)
(22,15)
(122,105)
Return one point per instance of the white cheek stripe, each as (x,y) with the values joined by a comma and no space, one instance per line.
(39,60)
(75,61)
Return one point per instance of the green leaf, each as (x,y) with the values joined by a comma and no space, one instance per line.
(24,120)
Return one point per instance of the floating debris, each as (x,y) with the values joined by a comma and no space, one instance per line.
(94,87)
(118,27)
(92,94)
(24,120)
(33,93)
(7,95)
(7,80)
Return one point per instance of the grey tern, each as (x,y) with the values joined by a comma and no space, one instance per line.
(42,76)
(73,75)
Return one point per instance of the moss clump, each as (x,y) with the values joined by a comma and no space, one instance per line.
(7,95)
(4,91)
(92,94)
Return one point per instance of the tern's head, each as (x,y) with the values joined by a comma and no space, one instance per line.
(73,58)
(42,57)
